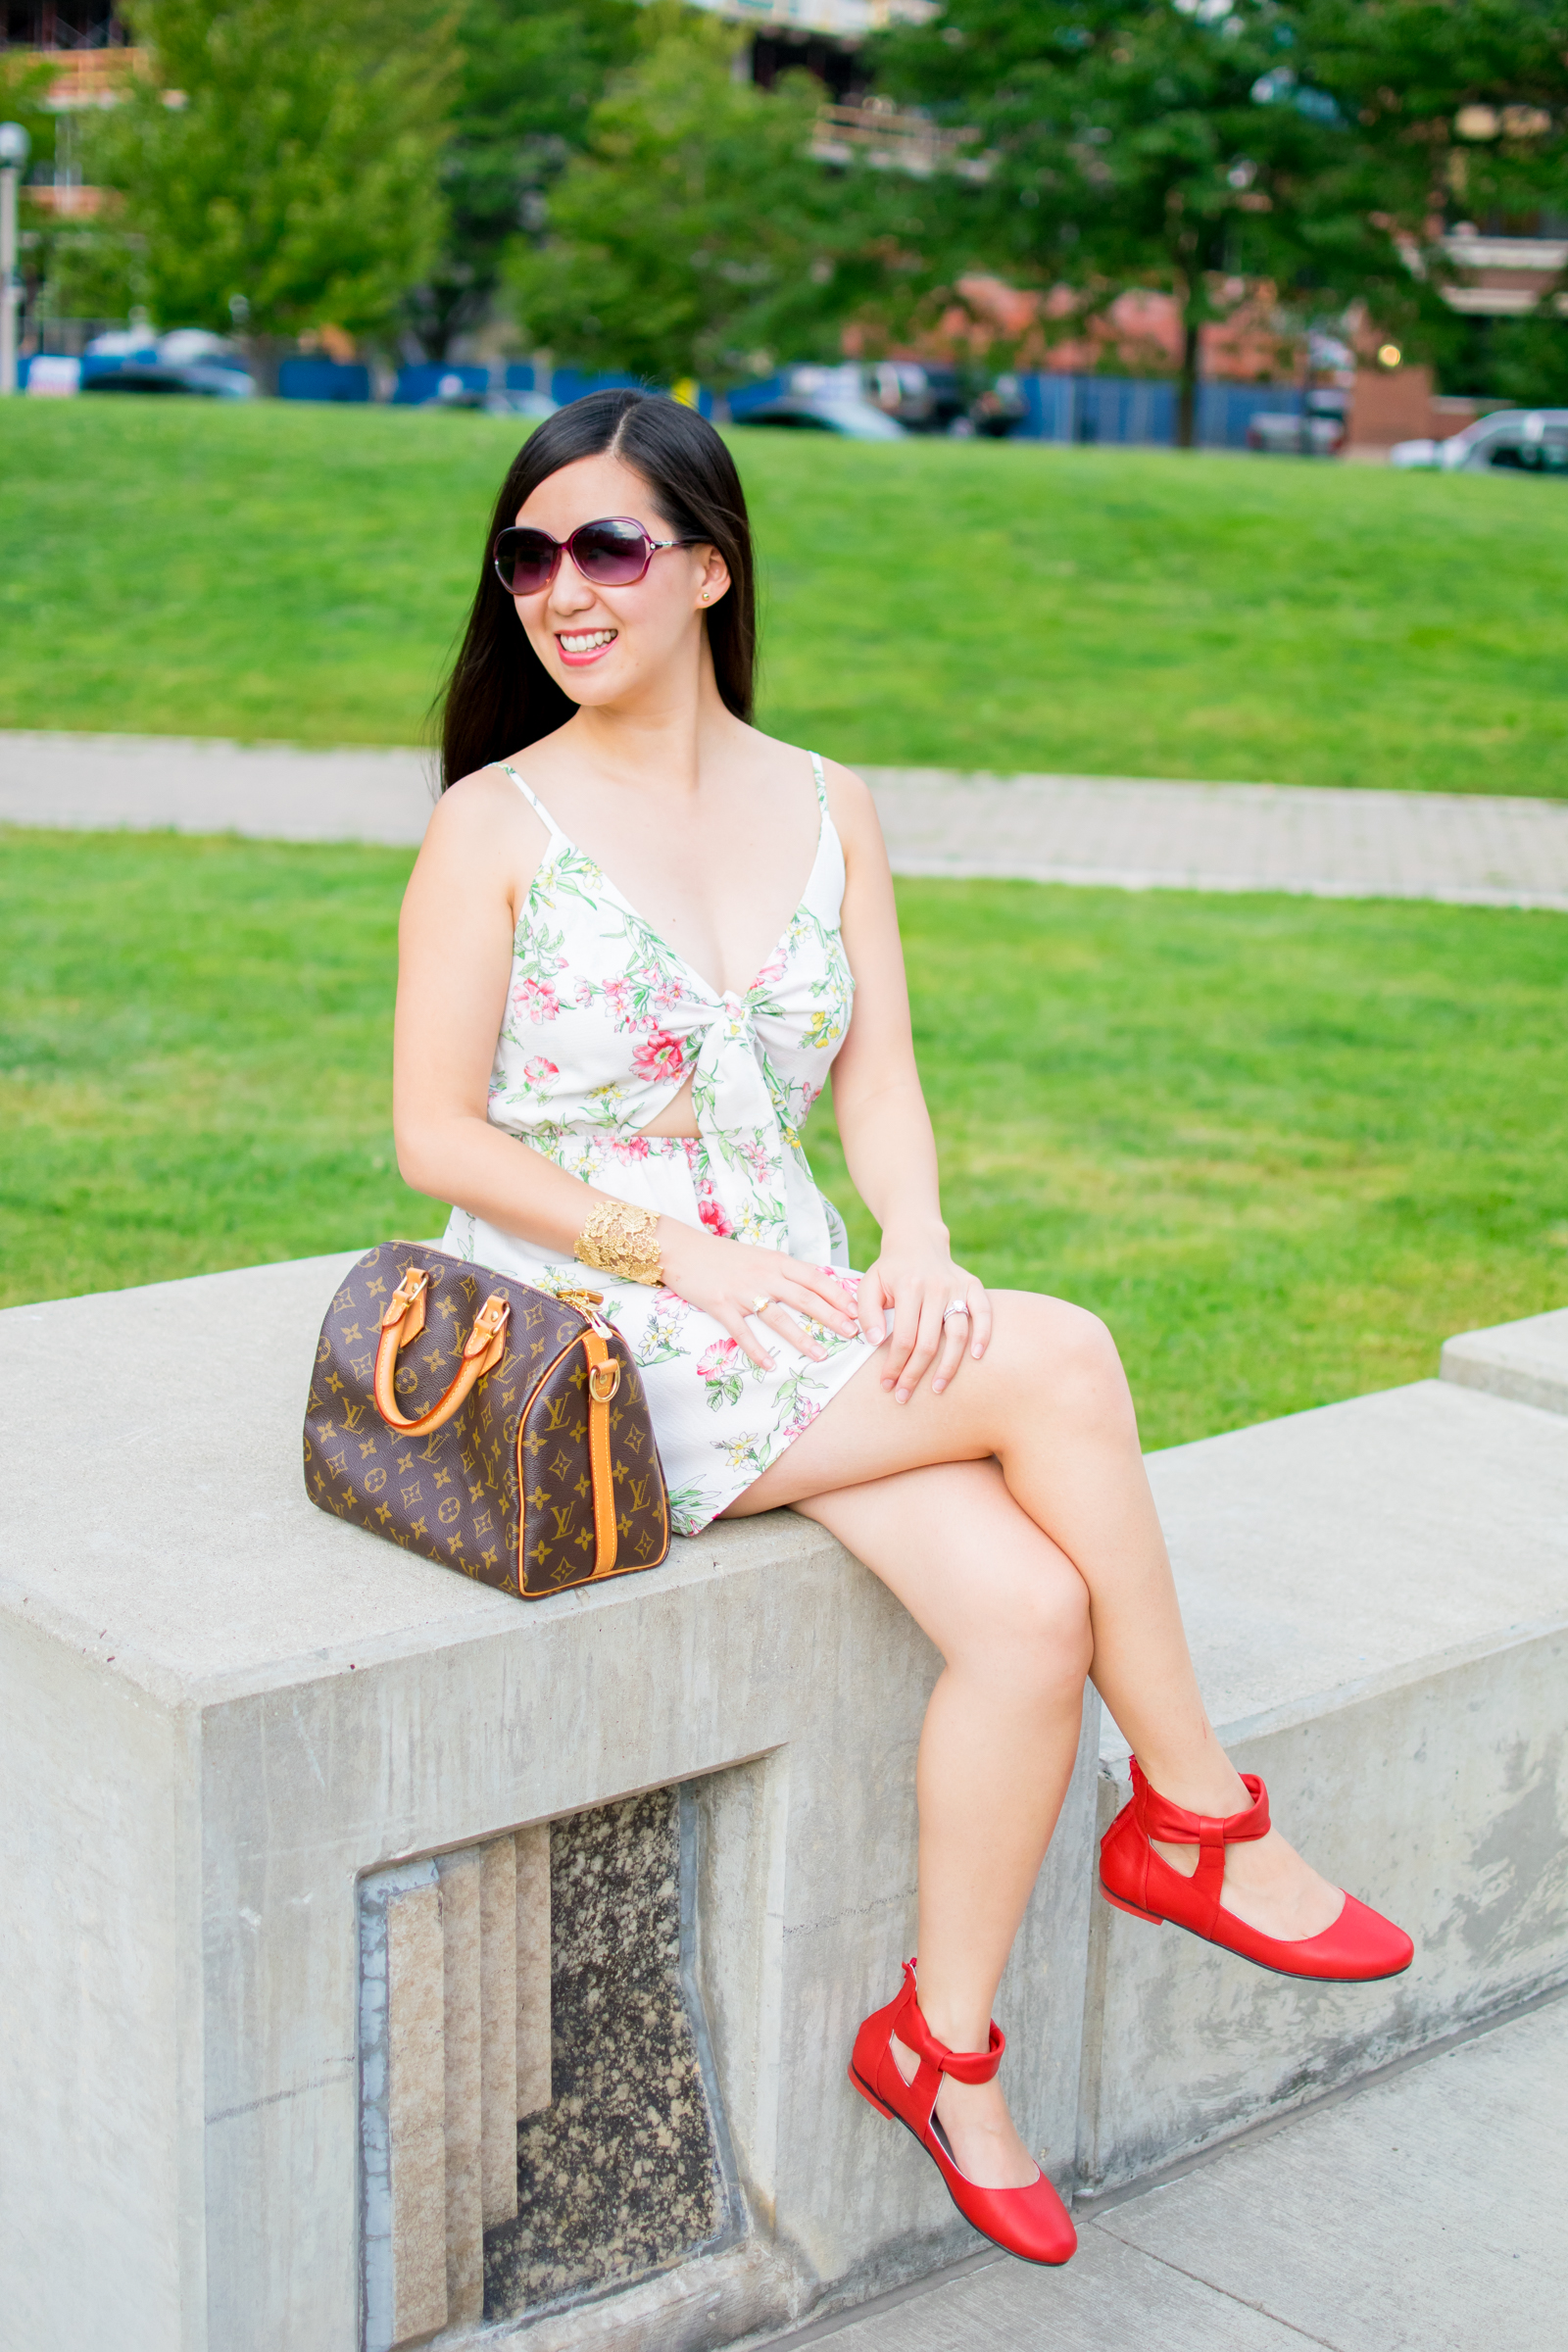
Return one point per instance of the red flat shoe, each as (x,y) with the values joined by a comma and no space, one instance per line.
(1032,2223)
(1361,1946)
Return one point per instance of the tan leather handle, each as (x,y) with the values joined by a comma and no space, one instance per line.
(402,1323)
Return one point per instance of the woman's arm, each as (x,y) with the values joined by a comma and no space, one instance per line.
(454,968)
(886,1129)
(455,943)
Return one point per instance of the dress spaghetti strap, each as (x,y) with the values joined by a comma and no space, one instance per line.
(532,798)
(821,781)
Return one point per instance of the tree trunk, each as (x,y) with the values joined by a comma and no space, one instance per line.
(1187,389)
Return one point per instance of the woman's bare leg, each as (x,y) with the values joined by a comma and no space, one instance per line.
(1010,1614)
(1050,1401)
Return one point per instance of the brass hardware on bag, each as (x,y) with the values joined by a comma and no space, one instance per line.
(488,1337)
(583,1302)
(406,1307)
(604,1380)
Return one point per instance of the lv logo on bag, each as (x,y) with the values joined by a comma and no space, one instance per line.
(513,1443)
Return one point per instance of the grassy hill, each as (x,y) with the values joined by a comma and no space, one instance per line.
(299,572)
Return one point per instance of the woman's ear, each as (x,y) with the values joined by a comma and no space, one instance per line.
(714,578)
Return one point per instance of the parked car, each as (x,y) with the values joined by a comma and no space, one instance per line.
(1523,440)
(827,413)
(1281,433)
(924,396)
(194,377)
(456,394)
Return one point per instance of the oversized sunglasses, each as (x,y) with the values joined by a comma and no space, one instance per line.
(614,553)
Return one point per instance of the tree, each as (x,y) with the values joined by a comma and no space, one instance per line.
(1128,143)
(698,234)
(532,72)
(1454,110)
(1323,146)
(280,168)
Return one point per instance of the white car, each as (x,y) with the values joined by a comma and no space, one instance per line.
(1522,440)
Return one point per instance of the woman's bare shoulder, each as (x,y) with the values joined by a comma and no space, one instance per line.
(482,828)
(852,811)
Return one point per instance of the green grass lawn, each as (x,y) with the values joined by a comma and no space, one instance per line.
(299,572)
(1283,1146)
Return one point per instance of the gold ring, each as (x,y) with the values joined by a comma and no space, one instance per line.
(758,1303)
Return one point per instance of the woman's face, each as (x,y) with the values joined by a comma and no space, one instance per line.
(603,643)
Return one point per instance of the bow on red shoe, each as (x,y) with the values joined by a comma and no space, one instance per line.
(1361,1946)
(1032,2223)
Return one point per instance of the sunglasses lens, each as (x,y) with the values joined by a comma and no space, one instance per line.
(525,561)
(613,554)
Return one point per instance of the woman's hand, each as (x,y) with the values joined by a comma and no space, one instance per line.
(904,1299)
(726,1279)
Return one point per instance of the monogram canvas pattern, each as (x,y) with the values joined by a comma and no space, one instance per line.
(504,1492)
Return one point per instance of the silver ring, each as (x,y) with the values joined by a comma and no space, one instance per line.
(960,1307)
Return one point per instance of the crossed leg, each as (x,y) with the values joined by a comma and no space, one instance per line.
(1012,1517)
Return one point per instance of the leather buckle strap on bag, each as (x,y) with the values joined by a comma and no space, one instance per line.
(532,1466)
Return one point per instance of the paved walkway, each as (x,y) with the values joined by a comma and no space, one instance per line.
(1475,850)
(1421,2213)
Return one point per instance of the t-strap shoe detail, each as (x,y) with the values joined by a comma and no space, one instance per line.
(1032,2223)
(1361,1946)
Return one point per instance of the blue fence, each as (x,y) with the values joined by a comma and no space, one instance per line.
(1143,409)
(321,379)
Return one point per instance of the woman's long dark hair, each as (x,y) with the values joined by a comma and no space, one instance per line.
(499,697)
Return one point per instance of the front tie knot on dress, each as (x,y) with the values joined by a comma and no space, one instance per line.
(603,1025)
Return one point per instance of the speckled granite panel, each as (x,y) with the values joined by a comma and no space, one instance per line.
(620,2175)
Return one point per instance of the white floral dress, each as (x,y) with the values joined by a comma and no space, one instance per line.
(603,1024)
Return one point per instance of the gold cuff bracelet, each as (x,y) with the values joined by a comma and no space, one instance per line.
(618,1239)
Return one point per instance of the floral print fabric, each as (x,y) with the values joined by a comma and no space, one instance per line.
(603,1024)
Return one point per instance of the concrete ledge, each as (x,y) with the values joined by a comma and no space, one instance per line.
(1526,1360)
(1377,1595)
(220,1710)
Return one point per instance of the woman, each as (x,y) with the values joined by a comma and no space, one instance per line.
(630,949)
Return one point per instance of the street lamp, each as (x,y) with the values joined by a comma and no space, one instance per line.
(14,148)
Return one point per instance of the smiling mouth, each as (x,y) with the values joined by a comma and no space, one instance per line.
(585,641)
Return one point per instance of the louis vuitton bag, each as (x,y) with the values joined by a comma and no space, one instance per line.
(496,1428)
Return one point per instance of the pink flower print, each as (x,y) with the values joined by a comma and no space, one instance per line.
(618,995)
(660,1055)
(629,1146)
(538,1070)
(711,1209)
(715,1361)
(536,1003)
(774,969)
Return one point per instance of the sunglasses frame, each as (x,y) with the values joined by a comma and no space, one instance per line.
(569,547)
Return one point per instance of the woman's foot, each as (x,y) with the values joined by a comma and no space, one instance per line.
(1267,1886)
(1227,1876)
(977,2127)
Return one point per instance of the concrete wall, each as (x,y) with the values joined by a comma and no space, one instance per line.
(229,1709)
(224,1717)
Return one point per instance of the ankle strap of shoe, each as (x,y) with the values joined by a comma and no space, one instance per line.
(1211,1833)
(1157,1817)
(965,2066)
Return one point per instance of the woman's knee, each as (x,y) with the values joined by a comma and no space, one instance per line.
(1050,1345)
(1035,1631)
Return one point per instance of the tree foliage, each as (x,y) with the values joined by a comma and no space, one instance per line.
(1128,144)
(281,167)
(698,234)
(532,72)
(1321,145)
